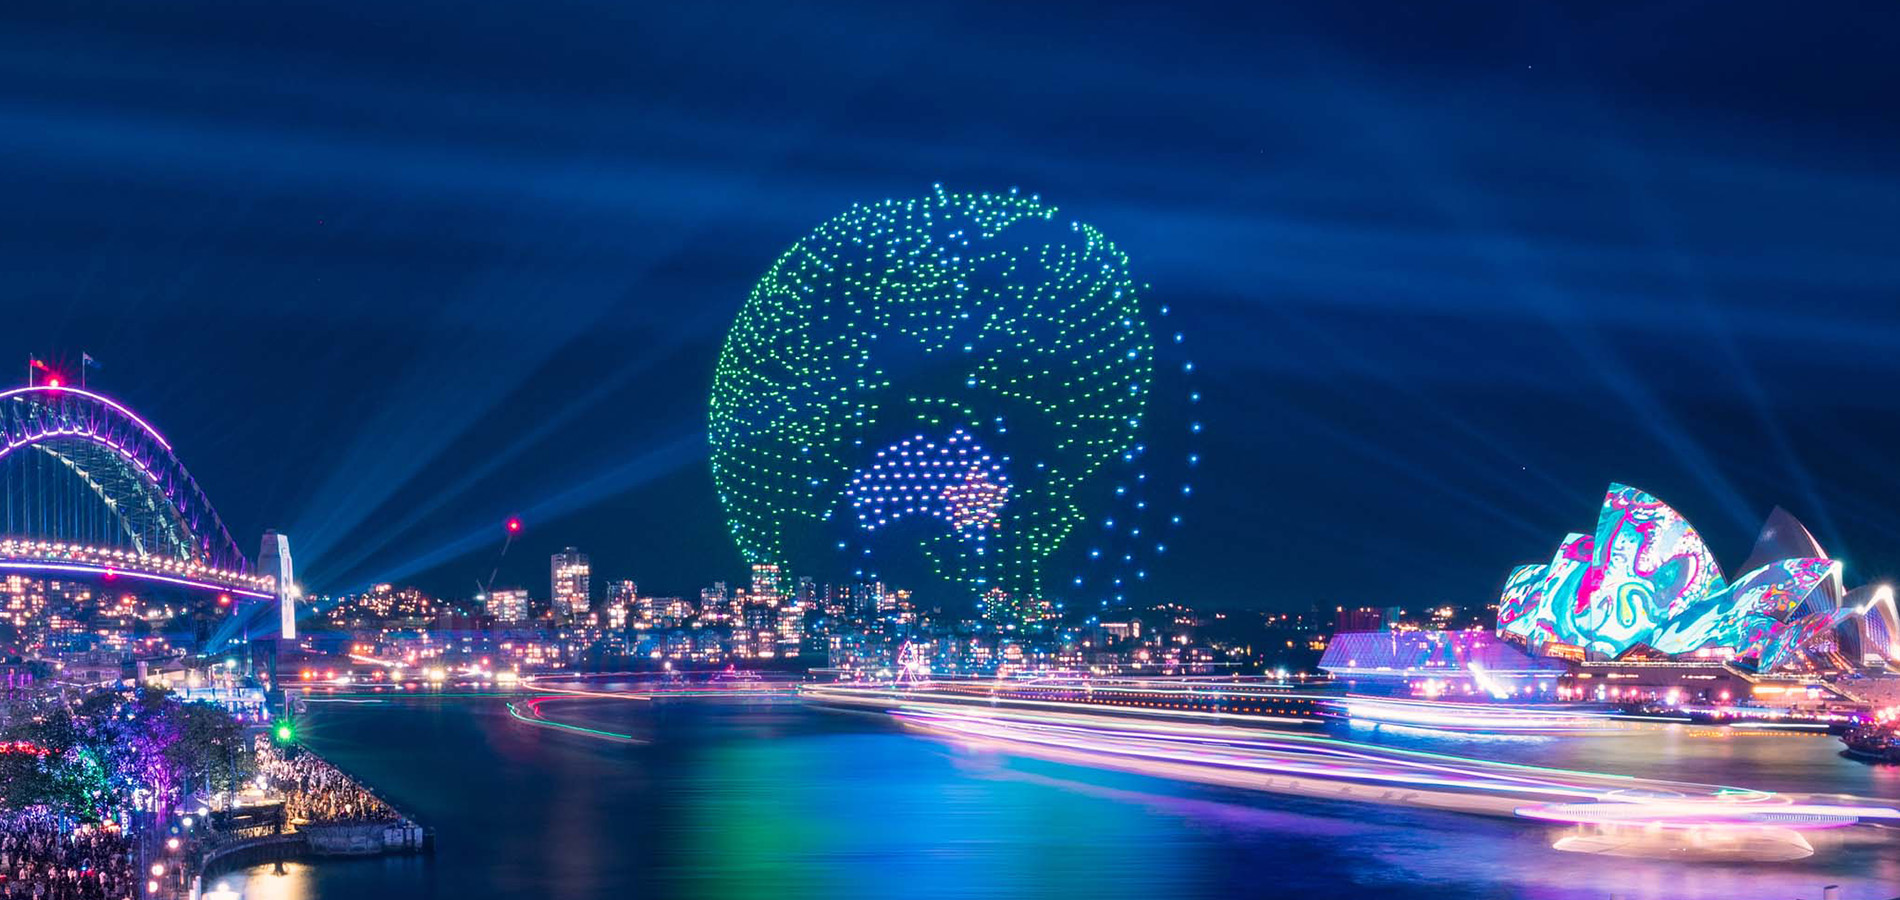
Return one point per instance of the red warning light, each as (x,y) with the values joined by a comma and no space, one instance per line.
(514,525)
(224,599)
(52,382)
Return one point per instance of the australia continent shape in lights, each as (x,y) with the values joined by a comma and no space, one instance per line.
(940,381)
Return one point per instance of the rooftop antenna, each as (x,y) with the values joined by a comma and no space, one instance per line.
(513,527)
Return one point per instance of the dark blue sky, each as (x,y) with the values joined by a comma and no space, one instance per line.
(388,272)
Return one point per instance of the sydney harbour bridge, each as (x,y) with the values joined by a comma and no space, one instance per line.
(91,490)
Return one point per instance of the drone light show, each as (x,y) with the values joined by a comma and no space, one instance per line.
(954,481)
(944,392)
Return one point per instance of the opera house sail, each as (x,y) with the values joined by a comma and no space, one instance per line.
(1644,582)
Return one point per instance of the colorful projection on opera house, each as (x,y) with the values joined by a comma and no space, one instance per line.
(1645,578)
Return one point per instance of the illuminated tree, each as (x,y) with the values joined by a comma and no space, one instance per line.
(941,380)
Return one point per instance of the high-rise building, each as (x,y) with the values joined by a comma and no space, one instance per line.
(713,602)
(508,606)
(647,609)
(765,584)
(759,620)
(791,623)
(569,576)
(868,598)
(674,611)
(837,600)
(793,615)
(621,603)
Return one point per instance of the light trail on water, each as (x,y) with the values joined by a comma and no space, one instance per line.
(529,711)
(1630,815)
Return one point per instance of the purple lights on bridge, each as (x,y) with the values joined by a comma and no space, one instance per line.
(50,556)
(108,402)
(91,487)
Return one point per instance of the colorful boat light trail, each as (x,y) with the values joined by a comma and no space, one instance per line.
(1619,814)
(529,711)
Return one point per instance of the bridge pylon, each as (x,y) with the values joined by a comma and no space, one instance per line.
(273,560)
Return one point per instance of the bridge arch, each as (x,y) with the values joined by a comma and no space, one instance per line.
(59,442)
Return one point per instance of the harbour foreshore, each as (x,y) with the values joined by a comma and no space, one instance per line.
(308,809)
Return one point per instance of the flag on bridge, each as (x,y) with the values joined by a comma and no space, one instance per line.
(86,360)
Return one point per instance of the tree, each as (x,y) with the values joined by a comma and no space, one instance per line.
(111,750)
(211,752)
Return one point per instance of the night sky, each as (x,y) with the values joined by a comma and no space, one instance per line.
(386,273)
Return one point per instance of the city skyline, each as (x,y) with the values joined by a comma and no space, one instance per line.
(1686,292)
(949,449)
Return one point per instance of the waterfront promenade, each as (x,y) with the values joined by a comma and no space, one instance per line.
(45,857)
(302,807)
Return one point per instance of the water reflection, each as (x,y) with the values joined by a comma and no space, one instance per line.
(772,799)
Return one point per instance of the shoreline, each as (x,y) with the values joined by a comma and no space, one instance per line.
(310,841)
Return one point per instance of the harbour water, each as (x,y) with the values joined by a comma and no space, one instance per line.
(772,798)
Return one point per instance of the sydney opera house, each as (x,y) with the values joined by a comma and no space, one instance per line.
(1645,586)
(1639,607)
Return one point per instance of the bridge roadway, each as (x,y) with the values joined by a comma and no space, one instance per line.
(43,556)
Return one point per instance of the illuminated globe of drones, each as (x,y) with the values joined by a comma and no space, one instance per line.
(941,393)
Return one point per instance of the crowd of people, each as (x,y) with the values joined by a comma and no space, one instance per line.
(316,792)
(43,858)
